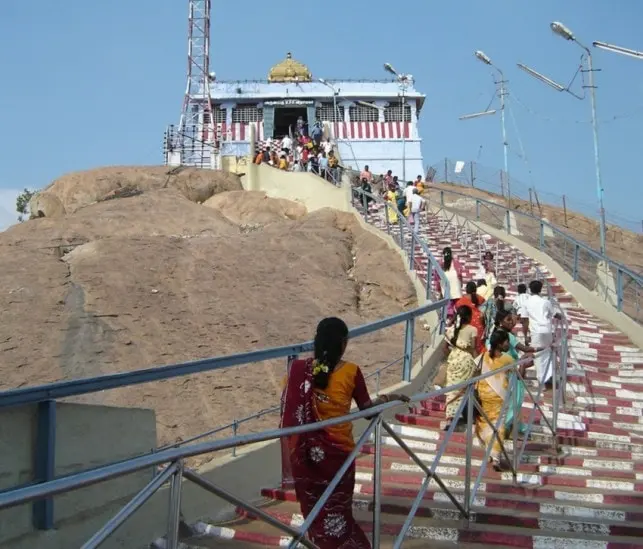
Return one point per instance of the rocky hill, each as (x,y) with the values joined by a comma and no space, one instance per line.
(128,268)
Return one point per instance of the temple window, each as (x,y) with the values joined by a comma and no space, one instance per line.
(219,115)
(362,113)
(247,113)
(328,113)
(393,113)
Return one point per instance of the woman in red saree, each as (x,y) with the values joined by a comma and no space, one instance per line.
(474,301)
(319,389)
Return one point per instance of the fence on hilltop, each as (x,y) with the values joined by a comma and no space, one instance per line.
(493,180)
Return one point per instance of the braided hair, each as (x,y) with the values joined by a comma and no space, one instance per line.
(472,290)
(462,317)
(329,346)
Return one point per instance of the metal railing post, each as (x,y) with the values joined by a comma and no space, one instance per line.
(468,453)
(508,221)
(388,223)
(619,289)
(516,418)
(553,357)
(477,210)
(377,484)
(575,266)
(45,464)
(542,235)
(175,508)
(412,252)
(408,350)
(442,199)
(235,432)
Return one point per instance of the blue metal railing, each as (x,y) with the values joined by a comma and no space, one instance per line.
(626,296)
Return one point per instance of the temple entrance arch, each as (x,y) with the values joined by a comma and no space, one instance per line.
(286,120)
(286,113)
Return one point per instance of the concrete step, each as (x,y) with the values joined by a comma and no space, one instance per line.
(513,518)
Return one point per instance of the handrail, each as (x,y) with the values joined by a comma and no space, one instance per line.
(234,424)
(63,389)
(597,254)
(75,481)
(174,472)
(405,224)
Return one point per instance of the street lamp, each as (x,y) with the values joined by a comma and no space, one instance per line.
(371,105)
(403,81)
(335,94)
(619,49)
(564,32)
(482,56)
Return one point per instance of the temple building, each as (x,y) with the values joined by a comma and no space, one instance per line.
(372,122)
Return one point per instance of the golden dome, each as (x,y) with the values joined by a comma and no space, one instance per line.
(290,70)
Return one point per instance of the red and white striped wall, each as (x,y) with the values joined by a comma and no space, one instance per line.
(370,130)
(236,131)
(338,130)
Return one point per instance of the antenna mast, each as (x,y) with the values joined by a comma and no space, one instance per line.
(196,136)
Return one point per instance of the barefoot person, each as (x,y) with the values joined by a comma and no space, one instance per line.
(319,389)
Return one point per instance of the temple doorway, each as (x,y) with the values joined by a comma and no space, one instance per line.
(286,120)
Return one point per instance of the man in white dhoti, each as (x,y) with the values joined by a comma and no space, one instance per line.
(541,314)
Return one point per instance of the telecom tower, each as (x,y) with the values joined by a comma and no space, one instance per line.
(194,142)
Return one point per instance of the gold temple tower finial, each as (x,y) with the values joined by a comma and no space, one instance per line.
(290,70)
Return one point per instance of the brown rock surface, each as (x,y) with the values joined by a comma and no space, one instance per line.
(156,279)
(78,189)
(244,207)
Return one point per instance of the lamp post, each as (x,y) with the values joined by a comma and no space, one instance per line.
(403,81)
(506,180)
(335,94)
(619,49)
(564,32)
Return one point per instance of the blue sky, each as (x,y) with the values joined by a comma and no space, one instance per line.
(87,84)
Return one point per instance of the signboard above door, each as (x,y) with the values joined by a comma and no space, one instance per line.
(289,103)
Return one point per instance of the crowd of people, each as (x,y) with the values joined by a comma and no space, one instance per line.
(480,338)
(408,199)
(302,153)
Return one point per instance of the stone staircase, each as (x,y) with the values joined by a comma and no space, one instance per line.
(589,495)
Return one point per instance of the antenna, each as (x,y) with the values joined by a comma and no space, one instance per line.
(196,136)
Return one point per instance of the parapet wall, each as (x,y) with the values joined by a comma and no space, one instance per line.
(86,436)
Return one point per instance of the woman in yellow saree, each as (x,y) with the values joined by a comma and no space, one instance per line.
(392,199)
(492,392)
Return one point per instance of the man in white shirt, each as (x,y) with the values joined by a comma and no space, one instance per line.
(520,307)
(327,146)
(415,207)
(286,144)
(541,314)
(408,192)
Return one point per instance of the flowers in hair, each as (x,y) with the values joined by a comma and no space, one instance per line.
(319,367)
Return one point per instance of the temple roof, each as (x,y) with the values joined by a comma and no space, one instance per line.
(290,70)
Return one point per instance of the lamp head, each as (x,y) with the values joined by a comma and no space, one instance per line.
(389,68)
(483,57)
(561,30)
